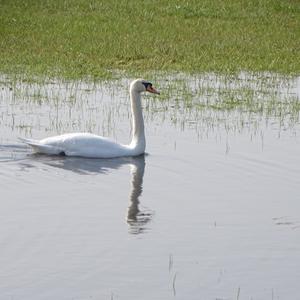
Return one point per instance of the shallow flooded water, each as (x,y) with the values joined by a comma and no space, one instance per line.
(212,211)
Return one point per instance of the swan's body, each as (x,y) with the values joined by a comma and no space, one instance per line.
(90,145)
(84,145)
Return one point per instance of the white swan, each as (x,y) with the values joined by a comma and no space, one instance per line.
(93,146)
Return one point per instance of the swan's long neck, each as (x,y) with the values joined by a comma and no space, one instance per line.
(138,142)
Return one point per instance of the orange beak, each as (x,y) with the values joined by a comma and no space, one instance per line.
(152,90)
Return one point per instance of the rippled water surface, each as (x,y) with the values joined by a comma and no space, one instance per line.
(212,211)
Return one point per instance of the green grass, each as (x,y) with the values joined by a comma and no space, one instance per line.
(79,38)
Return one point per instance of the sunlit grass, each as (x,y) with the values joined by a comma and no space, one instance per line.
(79,38)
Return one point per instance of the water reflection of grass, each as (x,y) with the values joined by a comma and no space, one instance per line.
(202,102)
(231,102)
(87,38)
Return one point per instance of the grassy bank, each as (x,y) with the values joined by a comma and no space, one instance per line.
(78,38)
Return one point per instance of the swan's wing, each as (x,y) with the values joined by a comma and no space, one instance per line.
(41,148)
(90,145)
(79,144)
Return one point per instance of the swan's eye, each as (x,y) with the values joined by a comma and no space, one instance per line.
(147,84)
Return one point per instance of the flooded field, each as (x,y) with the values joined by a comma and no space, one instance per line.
(212,211)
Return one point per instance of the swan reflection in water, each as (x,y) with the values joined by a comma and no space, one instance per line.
(136,218)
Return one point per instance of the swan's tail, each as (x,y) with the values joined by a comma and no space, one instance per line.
(38,147)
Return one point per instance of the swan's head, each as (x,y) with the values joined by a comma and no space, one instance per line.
(141,85)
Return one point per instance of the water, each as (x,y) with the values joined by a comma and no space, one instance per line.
(210,212)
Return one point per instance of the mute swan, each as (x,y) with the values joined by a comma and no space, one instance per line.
(93,146)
